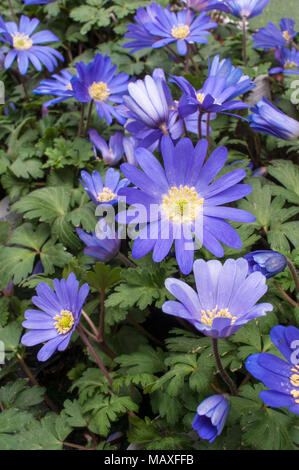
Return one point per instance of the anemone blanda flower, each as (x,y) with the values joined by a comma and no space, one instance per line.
(180,200)
(268,119)
(38,2)
(111,153)
(103,192)
(211,416)
(98,81)
(226,297)
(247,8)
(268,262)
(224,83)
(182,27)
(58,315)
(103,244)
(141,38)
(26,46)
(288,59)
(206,5)
(130,144)
(281,377)
(59,85)
(271,36)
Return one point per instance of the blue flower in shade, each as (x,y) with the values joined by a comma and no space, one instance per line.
(267,38)
(141,37)
(152,111)
(103,244)
(211,416)
(58,315)
(183,28)
(98,81)
(180,200)
(206,5)
(225,299)
(247,8)
(268,262)
(224,83)
(282,377)
(26,46)
(111,153)
(103,193)
(288,59)
(59,85)
(268,119)
(38,2)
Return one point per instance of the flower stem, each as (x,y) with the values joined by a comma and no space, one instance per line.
(208,131)
(88,118)
(195,66)
(81,120)
(293,273)
(199,124)
(285,295)
(12,11)
(126,260)
(244,40)
(100,335)
(31,377)
(221,369)
(93,352)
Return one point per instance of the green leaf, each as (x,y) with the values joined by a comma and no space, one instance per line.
(10,335)
(102,277)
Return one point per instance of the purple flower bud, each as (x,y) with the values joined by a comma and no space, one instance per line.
(9,290)
(210,417)
(268,262)
(103,244)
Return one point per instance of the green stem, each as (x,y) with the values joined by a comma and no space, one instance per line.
(244,40)
(293,273)
(81,120)
(88,118)
(126,260)
(221,369)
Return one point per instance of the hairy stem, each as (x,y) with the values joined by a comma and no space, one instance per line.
(221,369)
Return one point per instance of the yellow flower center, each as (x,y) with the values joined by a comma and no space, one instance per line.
(64,322)
(99,91)
(106,195)
(295,395)
(200,97)
(182,204)
(286,35)
(290,64)
(21,41)
(208,316)
(294,380)
(69,87)
(181,31)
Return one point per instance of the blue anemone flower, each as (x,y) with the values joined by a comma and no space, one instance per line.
(37,2)
(59,85)
(211,416)
(111,153)
(281,377)
(224,83)
(152,110)
(288,59)
(182,27)
(247,8)
(58,315)
(268,262)
(141,37)
(103,244)
(180,200)
(226,297)
(98,81)
(207,5)
(26,46)
(103,193)
(267,38)
(268,119)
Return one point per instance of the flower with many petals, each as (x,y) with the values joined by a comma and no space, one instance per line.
(281,377)
(207,5)
(226,297)
(182,27)
(103,193)
(57,318)
(224,83)
(247,8)
(268,119)
(288,59)
(211,416)
(26,46)
(59,85)
(268,262)
(103,244)
(141,37)
(270,37)
(98,82)
(182,199)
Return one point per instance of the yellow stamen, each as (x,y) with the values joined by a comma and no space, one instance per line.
(208,316)
(106,195)
(286,35)
(290,64)
(200,97)
(64,322)
(69,86)
(182,204)
(181,31)
(295,395)
(295,380)
(21,41)
(99,91)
